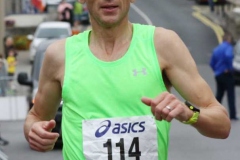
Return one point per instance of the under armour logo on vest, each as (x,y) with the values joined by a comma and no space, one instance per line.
(143,71)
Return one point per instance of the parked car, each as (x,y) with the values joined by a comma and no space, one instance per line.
(48,30)
(23,79)
(236,63)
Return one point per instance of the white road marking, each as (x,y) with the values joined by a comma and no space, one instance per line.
(142,14)
(215,27)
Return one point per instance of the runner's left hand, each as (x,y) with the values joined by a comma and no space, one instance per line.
(167,106)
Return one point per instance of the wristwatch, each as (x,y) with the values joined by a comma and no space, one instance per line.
(195,116)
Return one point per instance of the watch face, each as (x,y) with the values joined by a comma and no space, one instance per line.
(190,106)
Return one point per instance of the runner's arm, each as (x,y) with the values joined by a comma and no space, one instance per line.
(178,65)
(48,97)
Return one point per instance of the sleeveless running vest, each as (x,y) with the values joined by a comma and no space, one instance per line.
(94,89)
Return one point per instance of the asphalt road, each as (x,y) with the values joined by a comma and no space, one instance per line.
(185,142)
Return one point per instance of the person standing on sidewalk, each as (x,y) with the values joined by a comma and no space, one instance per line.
(65,12)
(221,63)
(211,5)
(12,62)
(9,45)
(115,83)
(77,10)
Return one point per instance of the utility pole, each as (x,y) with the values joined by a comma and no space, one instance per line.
(2,25)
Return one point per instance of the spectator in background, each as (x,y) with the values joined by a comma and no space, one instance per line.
(221,63)
(11,60)
(211,5)
(77,10)
(65,12)
(38,6)
(9,45)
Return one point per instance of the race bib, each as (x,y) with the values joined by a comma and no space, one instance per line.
(131,138)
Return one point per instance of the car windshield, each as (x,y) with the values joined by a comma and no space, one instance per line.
(52,33)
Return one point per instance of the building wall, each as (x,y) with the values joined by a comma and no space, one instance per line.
(19,6)
(13,6)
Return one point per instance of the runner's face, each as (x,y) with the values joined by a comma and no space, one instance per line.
(108,12)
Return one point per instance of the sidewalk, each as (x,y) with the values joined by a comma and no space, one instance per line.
(14,106)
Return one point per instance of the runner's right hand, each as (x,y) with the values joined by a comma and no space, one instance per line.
(40,136)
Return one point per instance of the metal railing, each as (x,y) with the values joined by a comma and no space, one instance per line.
(7,86)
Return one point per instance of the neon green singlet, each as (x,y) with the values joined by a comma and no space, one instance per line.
(95,89)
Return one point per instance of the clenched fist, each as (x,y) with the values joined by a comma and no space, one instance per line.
(40,136)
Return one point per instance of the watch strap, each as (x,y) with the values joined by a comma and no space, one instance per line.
(193,119)
(195,115)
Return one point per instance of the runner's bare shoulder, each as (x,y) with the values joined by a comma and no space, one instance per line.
(169,46)
(56,52)
(165,38)
(54,58)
